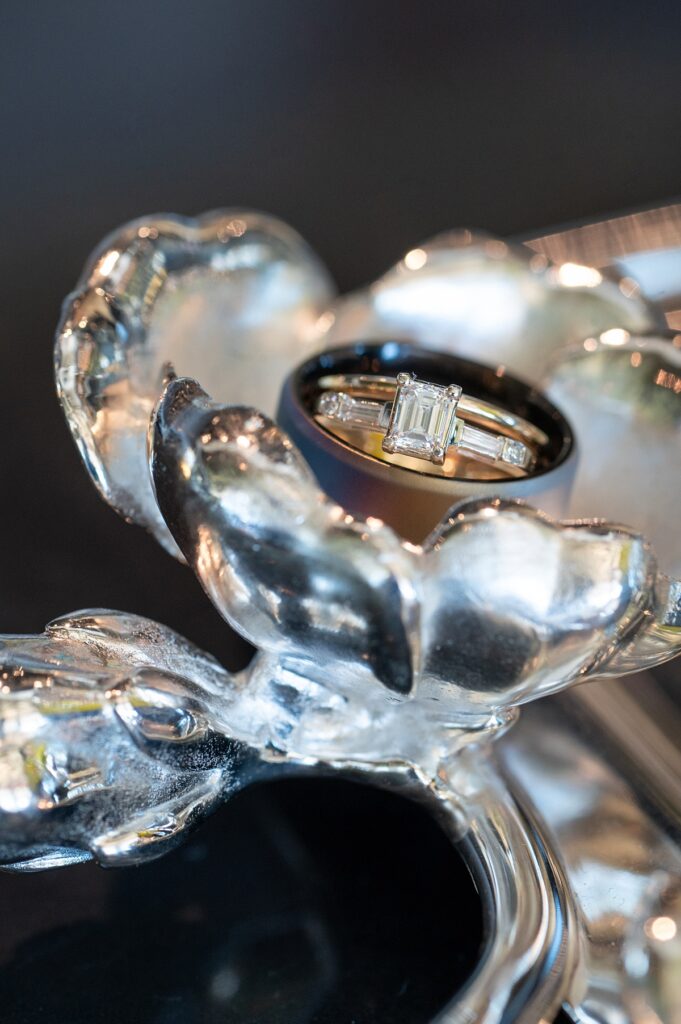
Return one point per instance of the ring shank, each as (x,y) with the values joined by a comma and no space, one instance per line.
(484,413)
(414,502)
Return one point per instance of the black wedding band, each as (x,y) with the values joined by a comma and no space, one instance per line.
(412,501)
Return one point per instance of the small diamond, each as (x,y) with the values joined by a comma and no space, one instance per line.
(515,453)
(329,403)
(423,419)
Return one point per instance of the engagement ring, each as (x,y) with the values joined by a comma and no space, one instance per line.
(424,420)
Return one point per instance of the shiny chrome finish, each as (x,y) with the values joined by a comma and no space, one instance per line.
(220,296)
(643,245)
(498,606)
(398,662)
(624,869)
(622,394)
(285,565)
(108,741)
(118,737)
(489,300)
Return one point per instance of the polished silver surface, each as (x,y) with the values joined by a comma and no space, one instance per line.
(108,744)
(624,867)
(497,606)
(602,764)
(642,245)
(221,296)
(622,393)
(117,737)
(491,301)
(627,388)
(396,662)
(408,496)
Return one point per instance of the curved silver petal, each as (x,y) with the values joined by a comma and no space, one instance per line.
(483,299)
(108,746)
(516,606)
(659,636)
(284,565)
(501,606)
(221,296)
(622,393)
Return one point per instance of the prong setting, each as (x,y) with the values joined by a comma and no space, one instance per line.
(422,419)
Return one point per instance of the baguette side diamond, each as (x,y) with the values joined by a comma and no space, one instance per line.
(353,412)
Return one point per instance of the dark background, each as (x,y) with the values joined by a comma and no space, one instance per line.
(368,126)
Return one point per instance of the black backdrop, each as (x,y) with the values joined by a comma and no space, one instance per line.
(367,125)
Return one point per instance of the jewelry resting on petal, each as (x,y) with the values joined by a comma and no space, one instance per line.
(160,291)
(488,300)
(500,605)
(425,420)
(117,736)
(387,660)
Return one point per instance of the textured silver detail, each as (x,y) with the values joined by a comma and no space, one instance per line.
(168,706)
(499,605)
(219,296)
(486,299)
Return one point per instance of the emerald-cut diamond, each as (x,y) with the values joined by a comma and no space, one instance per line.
(423,419)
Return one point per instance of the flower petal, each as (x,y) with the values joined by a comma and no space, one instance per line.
(622,395)
(223,296)
(483,299)
(283,564)
(107,733)
(516,606)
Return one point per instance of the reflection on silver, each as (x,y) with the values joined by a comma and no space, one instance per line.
(219,296)
(622,394)
(108,743)
(498,606)
(624,870)
(118,736)
(490,301)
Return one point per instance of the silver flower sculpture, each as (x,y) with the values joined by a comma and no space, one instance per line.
(375,656)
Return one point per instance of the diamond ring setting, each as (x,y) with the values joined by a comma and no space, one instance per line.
(425,421)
